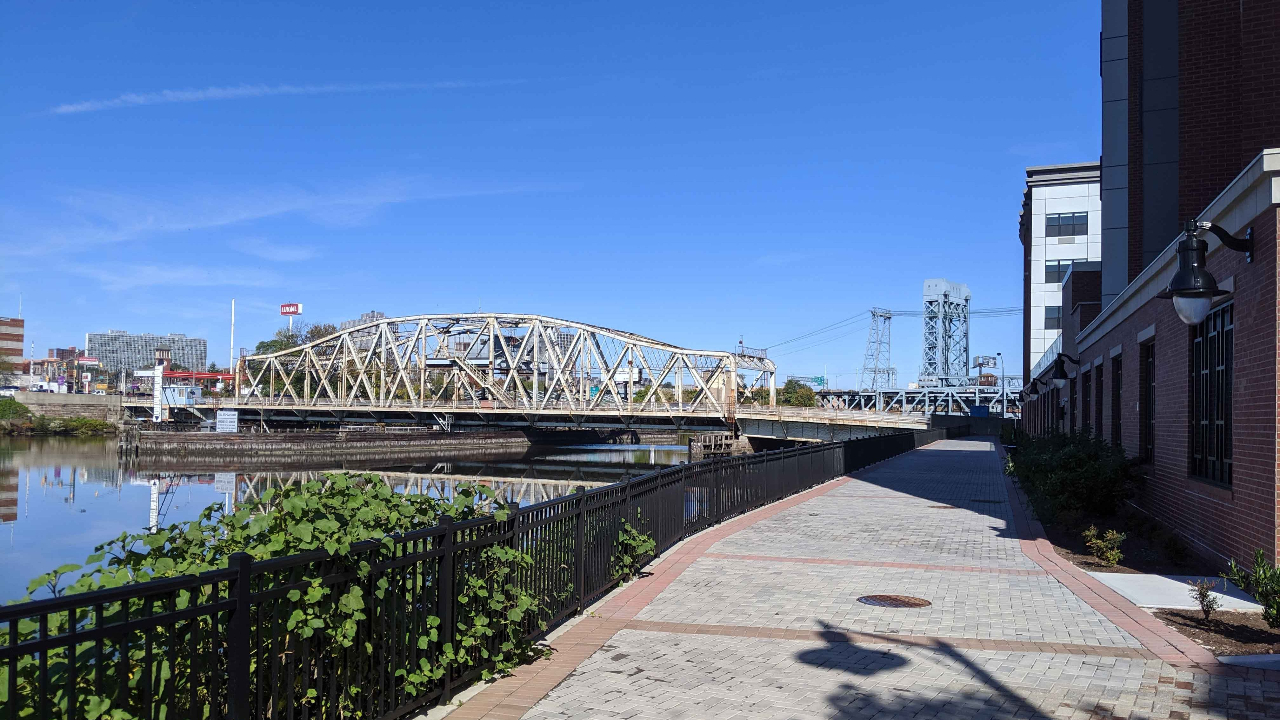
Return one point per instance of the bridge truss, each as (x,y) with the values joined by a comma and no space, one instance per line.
(504,362)
(946,400)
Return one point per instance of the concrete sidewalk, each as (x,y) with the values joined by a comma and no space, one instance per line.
(760,618)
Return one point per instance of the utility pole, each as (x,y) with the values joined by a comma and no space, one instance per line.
(231,358)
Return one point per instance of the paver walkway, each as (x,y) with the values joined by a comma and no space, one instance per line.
(759,618)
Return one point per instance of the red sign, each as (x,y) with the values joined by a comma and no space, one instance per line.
(291,309)
(87,360)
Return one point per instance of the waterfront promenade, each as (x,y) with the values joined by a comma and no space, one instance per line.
(760,618)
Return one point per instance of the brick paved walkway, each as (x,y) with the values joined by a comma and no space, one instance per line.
(758,618)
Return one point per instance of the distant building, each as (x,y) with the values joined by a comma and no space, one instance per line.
(1060,224)
(118,350)
(12,336)
(69,353)
(364,340)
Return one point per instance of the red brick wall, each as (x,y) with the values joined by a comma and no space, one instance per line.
(1259,78)
(1220,522)
(1227,522)
(1135,139)
(1209,44)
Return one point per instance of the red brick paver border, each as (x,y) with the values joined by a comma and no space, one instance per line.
(876,563)
(853,637)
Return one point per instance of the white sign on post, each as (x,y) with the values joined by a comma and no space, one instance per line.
(228,421)
(224,482)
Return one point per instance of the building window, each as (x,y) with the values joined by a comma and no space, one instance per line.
(1117,379)
(1097,400)
(1066,224)
(1053,317)
(1086,401)
(1072,399)
(1212,347)
(1056,270)
(1147,402)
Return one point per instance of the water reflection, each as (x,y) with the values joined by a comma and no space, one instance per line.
(60,497)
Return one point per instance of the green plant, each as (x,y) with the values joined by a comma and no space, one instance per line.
(1262,581)
(632,550)
(330,617)
(1072,473)
(11,409)
(1202,592)
(1105,547)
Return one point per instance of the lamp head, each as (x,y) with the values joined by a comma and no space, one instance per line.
(1192,287)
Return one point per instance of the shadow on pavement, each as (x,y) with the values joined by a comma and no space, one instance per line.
(993,699)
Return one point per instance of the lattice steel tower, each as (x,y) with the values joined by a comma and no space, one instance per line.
(946,333)
(876,372)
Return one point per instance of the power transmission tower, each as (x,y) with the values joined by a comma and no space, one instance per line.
(946,333)
(876,372)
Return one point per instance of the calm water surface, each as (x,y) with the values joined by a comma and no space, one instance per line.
(60,497)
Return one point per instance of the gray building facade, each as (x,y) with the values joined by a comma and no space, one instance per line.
(118,350)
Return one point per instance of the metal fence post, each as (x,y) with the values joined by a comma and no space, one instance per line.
(717,510)
(444,600)
(580,550)
(238,640)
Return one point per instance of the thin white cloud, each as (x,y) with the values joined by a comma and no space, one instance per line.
(85,219)
(125,276)
(274,251)
(237,92)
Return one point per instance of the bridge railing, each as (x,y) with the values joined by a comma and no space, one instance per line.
(225,644)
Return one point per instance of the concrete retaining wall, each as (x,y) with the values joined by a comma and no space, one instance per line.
(60,405)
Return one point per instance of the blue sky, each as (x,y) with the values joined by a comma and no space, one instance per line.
(691,172)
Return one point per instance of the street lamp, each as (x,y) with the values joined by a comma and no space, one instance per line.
(1059,375)
(1193,287)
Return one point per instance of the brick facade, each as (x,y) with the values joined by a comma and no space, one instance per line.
(1220,521)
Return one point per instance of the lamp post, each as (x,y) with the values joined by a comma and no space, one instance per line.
(1004,394)
(1193,287)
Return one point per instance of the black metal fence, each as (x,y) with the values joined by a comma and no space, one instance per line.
(227,643)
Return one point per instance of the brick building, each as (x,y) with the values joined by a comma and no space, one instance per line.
(1191,131)
(12,336)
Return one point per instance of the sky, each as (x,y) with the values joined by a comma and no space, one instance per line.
(698,173)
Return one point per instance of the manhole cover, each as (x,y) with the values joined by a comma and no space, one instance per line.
(894,601)
(944,507)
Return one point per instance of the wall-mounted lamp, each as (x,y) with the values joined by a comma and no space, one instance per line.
(1059,374)
(1193,287)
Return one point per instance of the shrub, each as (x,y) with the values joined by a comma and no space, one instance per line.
(1202,592)
(633,550)
(11,409)
(1105,547)
(1262,581)
(330,607)
(1070,473)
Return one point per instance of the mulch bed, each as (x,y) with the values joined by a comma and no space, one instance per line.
(1226,633)
(1144,549)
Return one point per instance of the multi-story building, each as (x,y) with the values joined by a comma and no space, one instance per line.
(67,353)
(364,340)
(12,336)
(1189,387)
(1060,224)
(118,350)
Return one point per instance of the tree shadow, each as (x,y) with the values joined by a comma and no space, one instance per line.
(842,652)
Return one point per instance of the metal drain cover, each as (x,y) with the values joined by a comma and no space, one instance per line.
(894,601)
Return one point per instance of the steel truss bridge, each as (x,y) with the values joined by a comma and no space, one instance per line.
(959,398)
(518,370)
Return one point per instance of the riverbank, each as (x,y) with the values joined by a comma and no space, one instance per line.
(282,448)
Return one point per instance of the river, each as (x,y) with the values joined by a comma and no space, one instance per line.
(60,497)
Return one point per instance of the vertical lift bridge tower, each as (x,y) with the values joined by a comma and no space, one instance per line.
(946,333)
